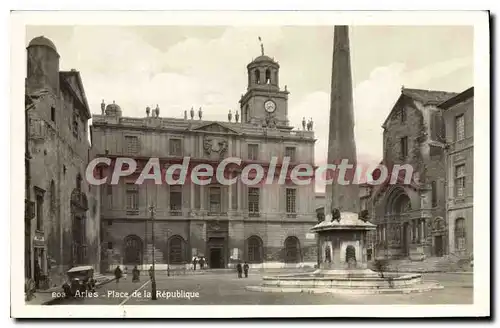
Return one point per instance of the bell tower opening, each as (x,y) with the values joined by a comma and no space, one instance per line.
(268,76)
(257,76)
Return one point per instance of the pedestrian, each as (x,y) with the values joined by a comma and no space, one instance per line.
(245,269)
(135,274)
(151,273)
(202,263)
(195,261)
(239,269)
(38,272)
(118,274)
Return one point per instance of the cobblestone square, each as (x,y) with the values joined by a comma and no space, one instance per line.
(227,289)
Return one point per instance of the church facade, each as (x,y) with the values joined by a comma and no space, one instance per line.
(266,225)
(411,217)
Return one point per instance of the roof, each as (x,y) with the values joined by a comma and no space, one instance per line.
(425,97)
(81,268)
(42,41)
(467,94)
(348,221)
(428,97)
(65,76)
(263,59)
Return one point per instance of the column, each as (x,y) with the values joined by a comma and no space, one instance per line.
(422,227)
(230,198)
(202,198)
(239,194)
(192,196)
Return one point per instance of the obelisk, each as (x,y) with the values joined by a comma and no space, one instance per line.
(341,144)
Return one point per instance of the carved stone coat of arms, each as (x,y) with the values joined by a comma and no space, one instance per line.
(215,145)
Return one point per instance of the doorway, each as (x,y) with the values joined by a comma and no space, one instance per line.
(216,260)
(438,246)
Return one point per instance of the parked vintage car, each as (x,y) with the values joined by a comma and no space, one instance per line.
(80,279)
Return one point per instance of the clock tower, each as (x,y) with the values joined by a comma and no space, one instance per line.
(264,103)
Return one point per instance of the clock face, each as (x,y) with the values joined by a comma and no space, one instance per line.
(270,106)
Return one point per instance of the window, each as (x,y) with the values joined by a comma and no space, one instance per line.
(403,115)
(459,127)
(132,199)
(290,153)
(176,250)
(254,250)
(110,245)
(404,147)
(197,198)
(214,200)
(234,196)
(175,200)
(253,201)
(39,212)
(290,200)
(132,144)
(52,113)
(460,234)
(52,196)
(253,152)
(459,180)
(109,195)
(75,125)
(434,193)
(175,147)
(79,182)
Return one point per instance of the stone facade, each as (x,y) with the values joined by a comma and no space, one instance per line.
(411,217)
(267,225)
(458,114)
(64,221)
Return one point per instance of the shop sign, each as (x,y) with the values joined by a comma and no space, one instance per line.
(39,239)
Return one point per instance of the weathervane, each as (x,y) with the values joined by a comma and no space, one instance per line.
(261,46)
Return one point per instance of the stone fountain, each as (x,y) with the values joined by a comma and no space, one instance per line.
(343,265)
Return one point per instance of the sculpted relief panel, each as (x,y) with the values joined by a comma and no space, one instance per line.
(215,147)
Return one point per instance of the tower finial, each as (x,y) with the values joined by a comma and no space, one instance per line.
(261,46)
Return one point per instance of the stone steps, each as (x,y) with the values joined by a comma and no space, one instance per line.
(431,264)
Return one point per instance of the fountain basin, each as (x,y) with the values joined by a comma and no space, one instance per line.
(364,282)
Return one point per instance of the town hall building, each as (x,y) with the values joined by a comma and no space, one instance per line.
(267,225)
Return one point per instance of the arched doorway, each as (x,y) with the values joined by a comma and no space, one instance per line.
(79,207)
(350,255)
(292,250)
(398,230)
(439,233)
(176,250)
(254,250)
(133,250)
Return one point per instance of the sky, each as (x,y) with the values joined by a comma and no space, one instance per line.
(179,67)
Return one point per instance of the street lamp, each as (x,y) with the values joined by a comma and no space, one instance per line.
(153,276)
(168,252)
